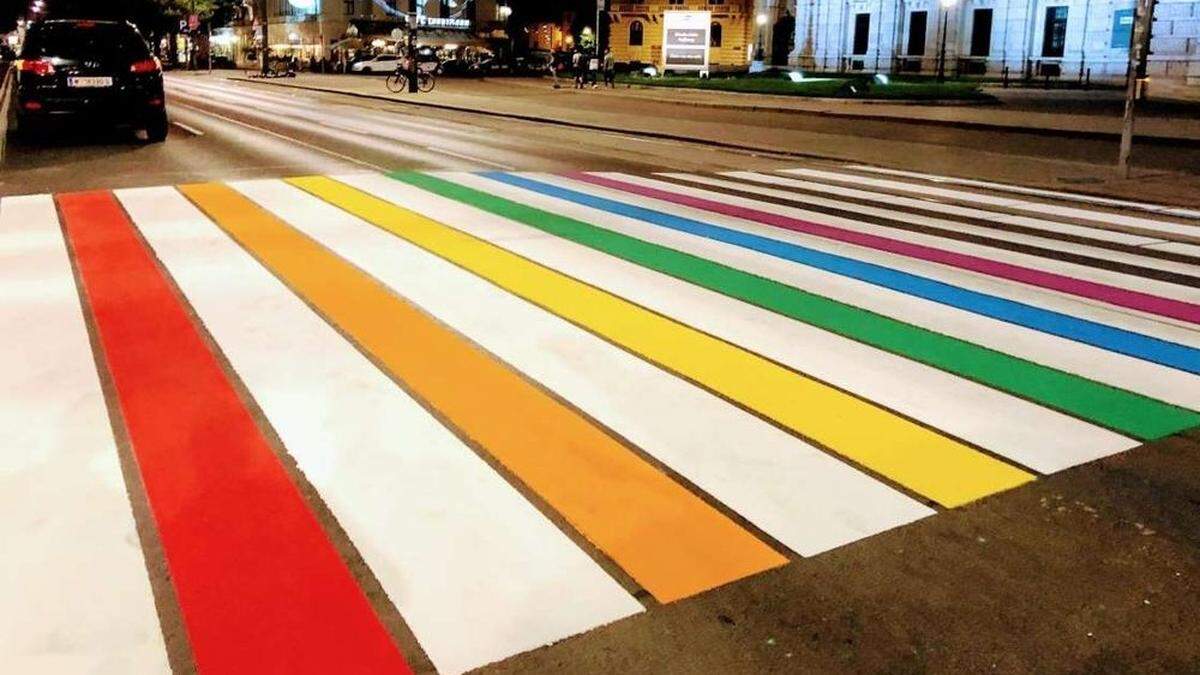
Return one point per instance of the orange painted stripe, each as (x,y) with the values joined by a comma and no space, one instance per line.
(260,586)
(668,539)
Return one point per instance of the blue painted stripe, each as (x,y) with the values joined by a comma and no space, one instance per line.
(1088,332)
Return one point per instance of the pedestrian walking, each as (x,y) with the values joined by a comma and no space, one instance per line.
(610,68)
(593,74)
(577,66)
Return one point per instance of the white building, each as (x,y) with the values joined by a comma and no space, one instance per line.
(1030,38)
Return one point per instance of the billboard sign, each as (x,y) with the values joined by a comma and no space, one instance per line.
(685,40)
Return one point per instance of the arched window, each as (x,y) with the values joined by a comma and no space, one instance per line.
(635,34)
(714,35)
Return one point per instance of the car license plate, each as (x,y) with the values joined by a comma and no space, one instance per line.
(89,82)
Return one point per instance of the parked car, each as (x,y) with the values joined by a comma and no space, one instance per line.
(386,63)
(72,72)
(383,63)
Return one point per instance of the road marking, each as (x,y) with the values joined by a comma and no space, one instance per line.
(1049,441)
(409,494)
(191,130)
(1093,263)
(990,266)
(72,575)
(923,461)
(260,586)
(1097,241)
(284,137)
(666,538)
(803,497)
(1008,202)
(1106,367)
(1019,189)
(891,271)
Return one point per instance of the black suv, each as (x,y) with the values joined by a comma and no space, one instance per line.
(84,71)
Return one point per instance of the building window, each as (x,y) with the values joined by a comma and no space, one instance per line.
(349,7)
(714,35)
(917,23)
(716,2)
(862,32)
(675,2)
(635,34)
(981,32)
(1054,32)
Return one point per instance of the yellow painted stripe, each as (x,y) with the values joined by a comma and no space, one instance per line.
(922,460)
(668,539)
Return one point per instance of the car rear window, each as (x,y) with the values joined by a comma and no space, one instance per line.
(85,40)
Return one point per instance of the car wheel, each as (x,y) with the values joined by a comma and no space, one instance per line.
(366,70)
(156,128)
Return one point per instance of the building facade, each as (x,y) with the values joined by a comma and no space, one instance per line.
(635,31)
(313,29)
(1080,39)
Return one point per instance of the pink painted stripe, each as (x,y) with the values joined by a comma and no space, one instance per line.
(1152,304)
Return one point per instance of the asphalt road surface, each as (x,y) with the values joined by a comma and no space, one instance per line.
(226,130)
(323,387)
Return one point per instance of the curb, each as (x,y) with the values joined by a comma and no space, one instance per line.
(975,126)
(6,96)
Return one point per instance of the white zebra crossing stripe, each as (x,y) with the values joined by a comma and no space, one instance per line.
(1020,189)
(947,222)
(967,410)
(74,591)
(763,473)
(1118,370)
(1006,202)
(1074,270)
(436,524)
(1127,319)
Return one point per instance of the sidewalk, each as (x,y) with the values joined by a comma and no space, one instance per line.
(1092,114)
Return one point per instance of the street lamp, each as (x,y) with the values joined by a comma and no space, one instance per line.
(941,67)
(761,20)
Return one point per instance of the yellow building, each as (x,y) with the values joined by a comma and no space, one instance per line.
(636,31)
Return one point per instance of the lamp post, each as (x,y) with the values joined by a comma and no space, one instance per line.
(505,13)
(756,64)
(941,68)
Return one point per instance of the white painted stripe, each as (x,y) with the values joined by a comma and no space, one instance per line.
(1020,189)
(1007,202)
(888,201)
(1167,329)
(939,206)
(1126,372)
(1046,440)
(1179,247)
(477,572)
(1075,270)
(73,583)
(1129,258)
(806,499)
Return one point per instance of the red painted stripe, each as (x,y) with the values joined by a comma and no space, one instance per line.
(260,586)
(1145,302)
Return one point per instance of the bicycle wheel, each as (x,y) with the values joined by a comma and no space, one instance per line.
(425,82)
(397,82)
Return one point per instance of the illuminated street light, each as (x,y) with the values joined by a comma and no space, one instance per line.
(761,20)
(941,67)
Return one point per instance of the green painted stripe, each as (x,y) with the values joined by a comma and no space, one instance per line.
(1123,411)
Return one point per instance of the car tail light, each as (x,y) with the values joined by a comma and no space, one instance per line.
(31,105)
(36,66)
(144,66)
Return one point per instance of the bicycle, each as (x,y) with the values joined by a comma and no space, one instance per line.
(398,81)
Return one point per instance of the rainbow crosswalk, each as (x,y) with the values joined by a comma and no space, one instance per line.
(533,404)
